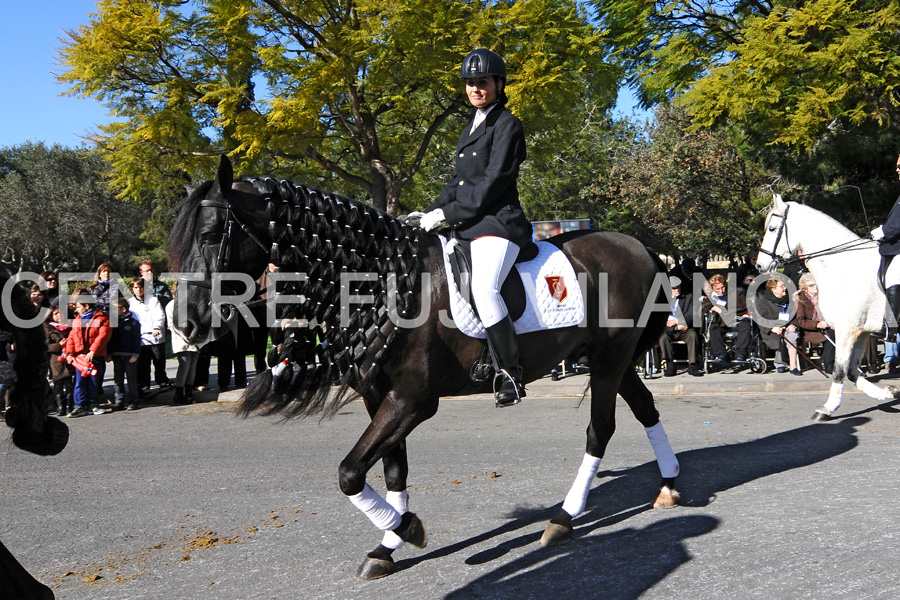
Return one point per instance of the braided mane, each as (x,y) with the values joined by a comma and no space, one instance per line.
(324,236)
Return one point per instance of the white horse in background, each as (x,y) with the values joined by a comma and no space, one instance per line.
(850,297)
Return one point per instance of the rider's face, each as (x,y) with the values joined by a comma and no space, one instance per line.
(898,167)
(482,91)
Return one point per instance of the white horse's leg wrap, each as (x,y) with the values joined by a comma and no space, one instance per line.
(870,389)
(400,502)
(577,496)
(383,515)
(835,397)
(665,457)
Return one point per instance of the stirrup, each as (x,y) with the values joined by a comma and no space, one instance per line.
(504,398)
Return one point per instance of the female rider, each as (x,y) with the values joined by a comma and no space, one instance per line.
(481,205)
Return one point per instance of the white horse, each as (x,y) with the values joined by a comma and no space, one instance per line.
(850,297)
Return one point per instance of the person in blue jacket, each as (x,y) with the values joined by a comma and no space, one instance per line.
(481,205)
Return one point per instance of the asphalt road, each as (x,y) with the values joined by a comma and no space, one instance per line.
(193,502)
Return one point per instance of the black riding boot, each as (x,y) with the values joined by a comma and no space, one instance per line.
(502,341)
(893,298)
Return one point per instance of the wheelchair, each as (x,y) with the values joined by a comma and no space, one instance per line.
(757,351)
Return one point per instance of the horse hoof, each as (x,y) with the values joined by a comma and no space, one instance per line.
(374,568)
(412,531)
(667,498)
(820,416)
(557,535)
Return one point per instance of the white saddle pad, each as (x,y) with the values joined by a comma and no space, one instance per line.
(554,298)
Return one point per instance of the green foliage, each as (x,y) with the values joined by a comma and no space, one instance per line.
(551,184)
(55,212)
(357,90)
(788,72)
(802,71)
(684,192)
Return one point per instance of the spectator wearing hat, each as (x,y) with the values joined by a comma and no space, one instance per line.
(680,327)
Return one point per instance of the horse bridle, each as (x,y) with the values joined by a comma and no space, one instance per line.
(782,230)
(223,256)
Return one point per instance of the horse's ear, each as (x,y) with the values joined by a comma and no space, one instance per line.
(190,188)
(777,201)
(224,176)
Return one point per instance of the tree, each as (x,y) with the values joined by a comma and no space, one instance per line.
(685,192)
(550,184)
(791,73)
(353,89)
(803,72)
(55,212)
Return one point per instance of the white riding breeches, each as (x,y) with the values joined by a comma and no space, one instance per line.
(492,259)
(892,277)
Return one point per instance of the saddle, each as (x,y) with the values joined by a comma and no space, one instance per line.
(535,294)
(512,291)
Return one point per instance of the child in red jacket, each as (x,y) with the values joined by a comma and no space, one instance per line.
(89,337)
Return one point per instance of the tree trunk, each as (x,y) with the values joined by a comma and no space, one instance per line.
(379,189)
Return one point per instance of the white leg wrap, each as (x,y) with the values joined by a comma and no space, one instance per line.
(400,502)
(665,457)
(870,389)
(383,515)
(577,496)
(835,397)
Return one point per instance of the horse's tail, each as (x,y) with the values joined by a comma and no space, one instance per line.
(656,323)
(24,362)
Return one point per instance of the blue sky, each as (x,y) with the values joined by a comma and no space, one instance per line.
(31,105)
(31,108)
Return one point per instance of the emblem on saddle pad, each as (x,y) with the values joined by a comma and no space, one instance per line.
(557,285)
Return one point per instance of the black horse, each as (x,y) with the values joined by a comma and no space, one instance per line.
(371,290)
(24,361)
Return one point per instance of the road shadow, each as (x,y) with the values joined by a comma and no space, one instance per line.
(633,560)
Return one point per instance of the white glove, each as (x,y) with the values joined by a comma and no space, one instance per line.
(432,220)
(413,216)
(877,233)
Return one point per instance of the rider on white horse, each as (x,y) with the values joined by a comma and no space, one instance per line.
(888,237)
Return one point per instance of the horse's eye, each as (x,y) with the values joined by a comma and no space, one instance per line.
(209,238)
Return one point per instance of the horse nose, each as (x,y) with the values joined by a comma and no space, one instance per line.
(189,329)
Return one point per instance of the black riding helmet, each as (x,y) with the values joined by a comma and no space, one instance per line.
(483,63)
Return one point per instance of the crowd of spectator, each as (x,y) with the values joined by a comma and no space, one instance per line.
(83,339)
(783,313)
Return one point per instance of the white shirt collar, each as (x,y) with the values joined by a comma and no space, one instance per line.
(480,116)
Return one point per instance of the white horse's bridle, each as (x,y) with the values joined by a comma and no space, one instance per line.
(782,230)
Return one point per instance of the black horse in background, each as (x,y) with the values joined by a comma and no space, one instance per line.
(24,362)
(371,291)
